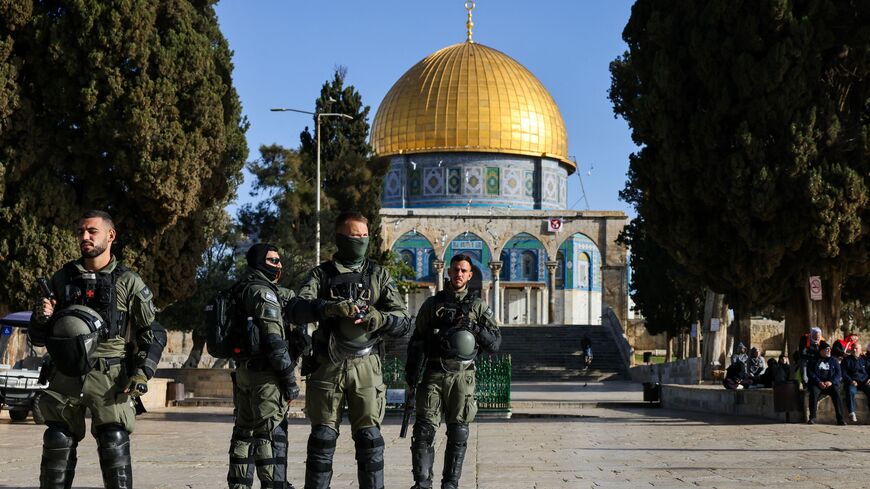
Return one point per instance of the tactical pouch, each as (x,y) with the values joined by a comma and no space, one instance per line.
(71,355)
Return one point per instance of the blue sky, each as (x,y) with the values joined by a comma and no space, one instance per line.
(285,51)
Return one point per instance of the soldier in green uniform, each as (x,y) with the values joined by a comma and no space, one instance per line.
(265,384)
(452,327)
(98,373)
(345,365)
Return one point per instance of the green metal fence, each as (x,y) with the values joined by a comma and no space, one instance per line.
(493,381)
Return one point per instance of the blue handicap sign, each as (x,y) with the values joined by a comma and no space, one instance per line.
(7,330)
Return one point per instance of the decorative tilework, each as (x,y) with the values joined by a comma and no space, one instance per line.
(529,183)
(474,181)
(433,181)
(393,185)
(492,180)
(454,180)
(415,182)
(511,183)
(551,186)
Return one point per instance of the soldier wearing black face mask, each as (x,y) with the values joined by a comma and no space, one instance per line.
(266,383)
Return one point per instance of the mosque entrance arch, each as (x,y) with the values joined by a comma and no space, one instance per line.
(578,299)
(475,248)
(523,280)
(417,252)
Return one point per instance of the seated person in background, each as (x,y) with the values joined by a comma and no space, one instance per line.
(824,379)
(735,376)
(768,378)
(855,377)
(754,366)
(739,354)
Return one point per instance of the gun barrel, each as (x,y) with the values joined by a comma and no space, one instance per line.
(45,289)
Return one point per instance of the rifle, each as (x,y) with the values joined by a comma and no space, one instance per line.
(410,397)
(417,364)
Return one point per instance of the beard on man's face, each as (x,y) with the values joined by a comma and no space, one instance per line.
(95,250)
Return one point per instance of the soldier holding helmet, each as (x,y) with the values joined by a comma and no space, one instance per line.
(96,304)
(452,327)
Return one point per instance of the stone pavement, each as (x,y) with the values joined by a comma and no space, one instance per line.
(580,447)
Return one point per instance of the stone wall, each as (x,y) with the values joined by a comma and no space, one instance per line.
(766,334)
(640,339)
(686,371)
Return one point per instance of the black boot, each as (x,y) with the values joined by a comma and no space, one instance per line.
(369,446)
(422,455)
(113,443)
(58,466)
(318,465)
(454,455)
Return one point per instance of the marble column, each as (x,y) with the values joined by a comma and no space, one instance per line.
(439,274)
(551,290)
(528,292)
(495,268)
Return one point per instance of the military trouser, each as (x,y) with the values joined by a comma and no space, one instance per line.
(260,431)
(63,404)
(359,382)
(450,395)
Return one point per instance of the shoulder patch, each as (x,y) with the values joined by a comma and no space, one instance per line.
(145,294)
(271,297)
(271,312)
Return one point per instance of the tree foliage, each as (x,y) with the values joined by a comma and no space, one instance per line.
(752,117)
(117,105)
(660,290)
(286,178)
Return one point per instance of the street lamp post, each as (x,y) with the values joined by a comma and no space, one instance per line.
(317,115)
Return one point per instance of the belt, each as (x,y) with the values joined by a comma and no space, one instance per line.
(112,361)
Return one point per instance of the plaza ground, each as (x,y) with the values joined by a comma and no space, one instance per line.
(561,436)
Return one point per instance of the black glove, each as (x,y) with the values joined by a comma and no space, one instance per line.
(291,391)
(472,326)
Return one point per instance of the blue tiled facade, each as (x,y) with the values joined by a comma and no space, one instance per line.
(475,179)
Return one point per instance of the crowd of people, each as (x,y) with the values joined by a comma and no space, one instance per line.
(824,369)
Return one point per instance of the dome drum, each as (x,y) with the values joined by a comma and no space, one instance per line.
(476,180)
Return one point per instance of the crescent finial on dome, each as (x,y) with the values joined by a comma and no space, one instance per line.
(469,5)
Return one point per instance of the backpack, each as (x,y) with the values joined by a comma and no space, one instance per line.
(229,335)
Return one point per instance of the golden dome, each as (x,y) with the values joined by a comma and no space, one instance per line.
(470,97)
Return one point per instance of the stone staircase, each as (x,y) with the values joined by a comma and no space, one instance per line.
(552,353)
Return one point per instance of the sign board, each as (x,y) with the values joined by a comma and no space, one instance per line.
(815,288)
(395,396)
(6,331)
(554,225)
(714,324)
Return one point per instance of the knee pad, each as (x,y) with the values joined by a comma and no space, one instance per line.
(57,438)
(457,433)
(112,436)
(114,446)
(424,434)
(367,438)
(321,447)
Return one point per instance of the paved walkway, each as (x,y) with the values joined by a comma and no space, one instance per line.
(584,448)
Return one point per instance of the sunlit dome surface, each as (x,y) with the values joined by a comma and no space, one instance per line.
(470,97)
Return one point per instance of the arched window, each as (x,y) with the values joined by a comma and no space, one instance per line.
(583,271)
(505,273)
(560,270)
(408,258)
(530,266)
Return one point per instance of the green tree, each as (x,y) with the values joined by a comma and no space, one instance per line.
(753,171)
(285,178)
(221,264)
(352,177)
(118,105)
(660,290)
